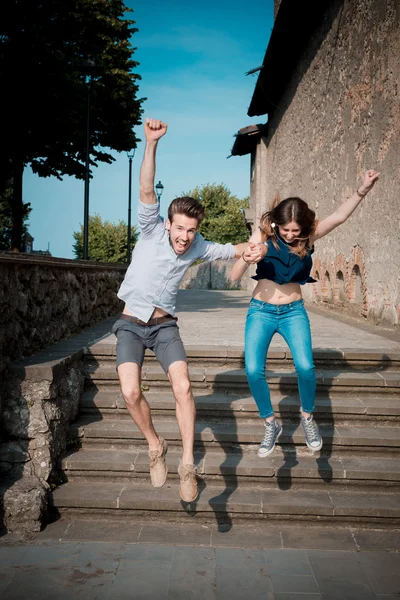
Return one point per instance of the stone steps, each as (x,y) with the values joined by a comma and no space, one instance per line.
(225,503)
(123,431)
(276,470)
(220,378)
(233,356)
(356,477)
(110,404)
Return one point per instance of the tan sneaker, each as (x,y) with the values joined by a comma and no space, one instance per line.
(158,466)
(188,488)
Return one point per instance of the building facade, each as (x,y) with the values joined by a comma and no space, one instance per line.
(329,91)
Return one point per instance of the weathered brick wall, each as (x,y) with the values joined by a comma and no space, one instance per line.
(339,117)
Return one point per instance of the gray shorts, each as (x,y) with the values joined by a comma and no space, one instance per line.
(133,339)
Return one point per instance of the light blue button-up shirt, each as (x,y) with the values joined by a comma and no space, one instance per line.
(156,271)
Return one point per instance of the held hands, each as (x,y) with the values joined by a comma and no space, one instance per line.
(254,253)
(154,129)
(370,178)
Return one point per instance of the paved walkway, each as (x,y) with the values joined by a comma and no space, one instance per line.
(175,562)
(209,317)
(217,318)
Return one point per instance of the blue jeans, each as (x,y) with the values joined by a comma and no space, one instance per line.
(291,321)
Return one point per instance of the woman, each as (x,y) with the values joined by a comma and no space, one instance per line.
(288,231)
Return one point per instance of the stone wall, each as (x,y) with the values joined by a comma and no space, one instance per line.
(212,276)
(41,399)
(340,116)
(44,299)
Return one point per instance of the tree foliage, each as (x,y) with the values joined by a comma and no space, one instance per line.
(107,241)
(6,219)
(224,220)
(45,50)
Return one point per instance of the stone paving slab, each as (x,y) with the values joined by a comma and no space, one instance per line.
(197,571)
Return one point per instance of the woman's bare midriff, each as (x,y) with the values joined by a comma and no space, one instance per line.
(271,292)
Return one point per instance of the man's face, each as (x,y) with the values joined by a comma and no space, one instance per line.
(182,232)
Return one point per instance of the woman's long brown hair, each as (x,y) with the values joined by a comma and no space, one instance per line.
(285,211)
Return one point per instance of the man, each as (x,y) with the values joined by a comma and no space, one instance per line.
(159,261)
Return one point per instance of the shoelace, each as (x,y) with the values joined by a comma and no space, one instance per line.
(154,460)
(311,430)
(189,475)
(155,455)
(268,435)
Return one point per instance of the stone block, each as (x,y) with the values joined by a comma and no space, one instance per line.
(236,464)
(24,502)
(365,505)
(301,503)
(88,495)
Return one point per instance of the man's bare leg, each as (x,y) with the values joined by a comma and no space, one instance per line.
(139,409)
(130,379)
(186,415)
(185,408)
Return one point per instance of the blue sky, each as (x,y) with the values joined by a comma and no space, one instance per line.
(193,58)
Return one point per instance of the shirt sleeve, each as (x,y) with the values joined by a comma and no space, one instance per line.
(213,251)
(149,219)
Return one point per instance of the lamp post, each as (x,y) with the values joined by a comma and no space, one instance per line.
(159,190)
(89,66)
(128,252)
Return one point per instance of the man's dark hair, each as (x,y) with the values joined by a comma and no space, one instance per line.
(190,207)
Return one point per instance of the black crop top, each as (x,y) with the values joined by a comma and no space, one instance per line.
(283,266)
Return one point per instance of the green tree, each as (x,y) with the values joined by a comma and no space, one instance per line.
(6,218)
(107,241)
(224,214)
(46,49)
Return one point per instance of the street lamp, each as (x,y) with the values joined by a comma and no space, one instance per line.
(89,67)
(128,252)
(159,190)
